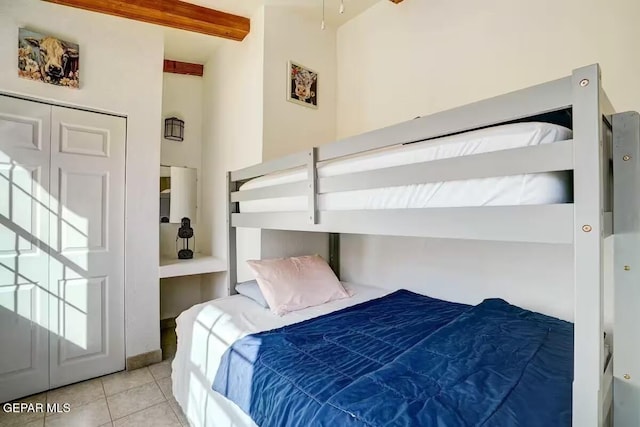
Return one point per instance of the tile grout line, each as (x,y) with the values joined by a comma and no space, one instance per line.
(176,414)
(46,401)
(58,414)
(143,409)
(105,397)
(130,388)
(177,404)
(167,399)
(106,401)
(10,415)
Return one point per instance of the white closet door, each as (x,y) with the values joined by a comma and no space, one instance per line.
(24,245)
(87,240)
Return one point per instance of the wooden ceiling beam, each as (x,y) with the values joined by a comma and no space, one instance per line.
(177,67)
(170,13)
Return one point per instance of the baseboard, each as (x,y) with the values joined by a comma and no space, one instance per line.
(144,359)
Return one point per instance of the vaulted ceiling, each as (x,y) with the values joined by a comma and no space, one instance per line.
(308,7)
(185,46)
(194,27)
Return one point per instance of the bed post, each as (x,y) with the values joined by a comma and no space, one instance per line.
(232,264)
(588,248)
(626,222)
(334,253)
(312,190)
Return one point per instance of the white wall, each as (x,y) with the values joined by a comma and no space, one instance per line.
(121,71)
(464,271)
(182,98)
(232,139)
(289,127)
(396,62)
(280,244)
(260,123)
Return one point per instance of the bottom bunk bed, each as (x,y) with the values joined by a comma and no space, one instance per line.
(373,359)
(206,331)
(425,178)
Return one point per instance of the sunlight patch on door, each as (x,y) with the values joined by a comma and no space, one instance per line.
(81,317)
(30,258)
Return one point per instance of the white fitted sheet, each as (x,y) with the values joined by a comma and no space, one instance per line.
(530,189)
(205,331)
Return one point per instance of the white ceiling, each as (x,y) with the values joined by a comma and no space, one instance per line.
(192,47)
(313,8)
(237,7)
(186,46)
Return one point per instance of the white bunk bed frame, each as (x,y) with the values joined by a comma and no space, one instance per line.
(584,223)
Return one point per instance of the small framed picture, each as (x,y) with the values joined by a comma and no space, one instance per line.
(302,87)
(48,59)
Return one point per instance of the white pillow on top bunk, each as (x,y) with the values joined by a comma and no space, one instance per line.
(290,284)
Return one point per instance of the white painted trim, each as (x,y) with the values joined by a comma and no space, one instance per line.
(199,264)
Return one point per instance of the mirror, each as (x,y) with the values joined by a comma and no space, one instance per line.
(178,194)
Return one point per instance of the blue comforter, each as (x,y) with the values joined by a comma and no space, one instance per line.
(406,360)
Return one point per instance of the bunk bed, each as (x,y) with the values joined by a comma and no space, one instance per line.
(585,183)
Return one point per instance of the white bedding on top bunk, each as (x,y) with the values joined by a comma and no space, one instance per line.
(205,331)
(543,188)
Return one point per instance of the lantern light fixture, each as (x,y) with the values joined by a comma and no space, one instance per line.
(185,232)
(174,129)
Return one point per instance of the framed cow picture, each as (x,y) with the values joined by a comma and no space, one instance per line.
(302,85)
(48,59)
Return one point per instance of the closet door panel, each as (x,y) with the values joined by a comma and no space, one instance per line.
(24,247)
(87,231)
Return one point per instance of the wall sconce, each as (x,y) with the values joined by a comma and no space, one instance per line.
(174,129)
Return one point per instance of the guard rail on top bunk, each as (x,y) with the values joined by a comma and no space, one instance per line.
(584,223)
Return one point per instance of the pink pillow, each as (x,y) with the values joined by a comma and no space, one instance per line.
(290,284)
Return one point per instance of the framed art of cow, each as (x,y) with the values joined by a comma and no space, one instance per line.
(48,59)
(302,85)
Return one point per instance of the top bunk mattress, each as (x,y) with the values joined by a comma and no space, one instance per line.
(529,189)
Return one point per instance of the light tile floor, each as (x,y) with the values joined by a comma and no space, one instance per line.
(137,398)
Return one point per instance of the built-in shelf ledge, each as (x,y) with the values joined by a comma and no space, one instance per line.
(200,264)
